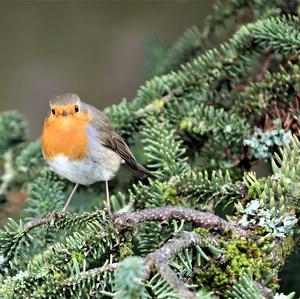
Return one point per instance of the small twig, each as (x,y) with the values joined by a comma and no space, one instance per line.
(171,248)
(177,284)
(167,213)
(264,66)
(161,256)
(92,272)
(35,223)
(109,267)
(155,106)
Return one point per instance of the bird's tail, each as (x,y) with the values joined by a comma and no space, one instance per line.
(140,171)
(143,172)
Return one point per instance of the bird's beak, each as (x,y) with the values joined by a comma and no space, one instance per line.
(64,113)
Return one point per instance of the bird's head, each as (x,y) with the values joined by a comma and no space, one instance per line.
(67,110)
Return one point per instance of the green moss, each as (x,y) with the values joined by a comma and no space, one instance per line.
(288,246)
(202,232)
(79,257)
(240,254)
(126,249)
(212,277)
(294,191)
(57,276)
(170,195)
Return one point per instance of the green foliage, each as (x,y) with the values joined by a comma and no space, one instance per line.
(159,288)
(128,279)
(30,161)
(206,122)
(203,120)
(234,9)
(246,287)
(288,163)
(66,259)
(205,295)
(13,131)
(202,188)
(11,240)
(280,86)
(282,296)
(45,194)
(163,149)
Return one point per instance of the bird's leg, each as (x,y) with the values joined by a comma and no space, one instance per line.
(107,197)
(69,199)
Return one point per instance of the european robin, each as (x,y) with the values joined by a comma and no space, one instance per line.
(79,143)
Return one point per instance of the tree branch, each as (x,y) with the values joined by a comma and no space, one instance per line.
(159,260)
(264,66)
(38,222)
(161,256)
(264,291)
(162,214)
(167,213)
(177,284)
(156,105)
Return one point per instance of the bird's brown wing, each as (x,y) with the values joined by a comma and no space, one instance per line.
(116,143)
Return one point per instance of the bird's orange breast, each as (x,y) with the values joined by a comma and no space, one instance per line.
(66,136)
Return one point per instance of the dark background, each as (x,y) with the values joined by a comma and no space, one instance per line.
(97,49)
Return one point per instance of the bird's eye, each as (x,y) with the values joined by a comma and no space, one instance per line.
(76,108)
(53,111)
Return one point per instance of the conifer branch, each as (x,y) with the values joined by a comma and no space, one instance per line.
(156,105)
(161,214)
(167,213)
(159,259)
(36,223)
(264,66)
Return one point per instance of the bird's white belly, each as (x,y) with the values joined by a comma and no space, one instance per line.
(84,172)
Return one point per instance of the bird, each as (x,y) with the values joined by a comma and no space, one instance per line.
(79,143)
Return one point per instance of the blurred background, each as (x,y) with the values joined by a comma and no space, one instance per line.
(98,49)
